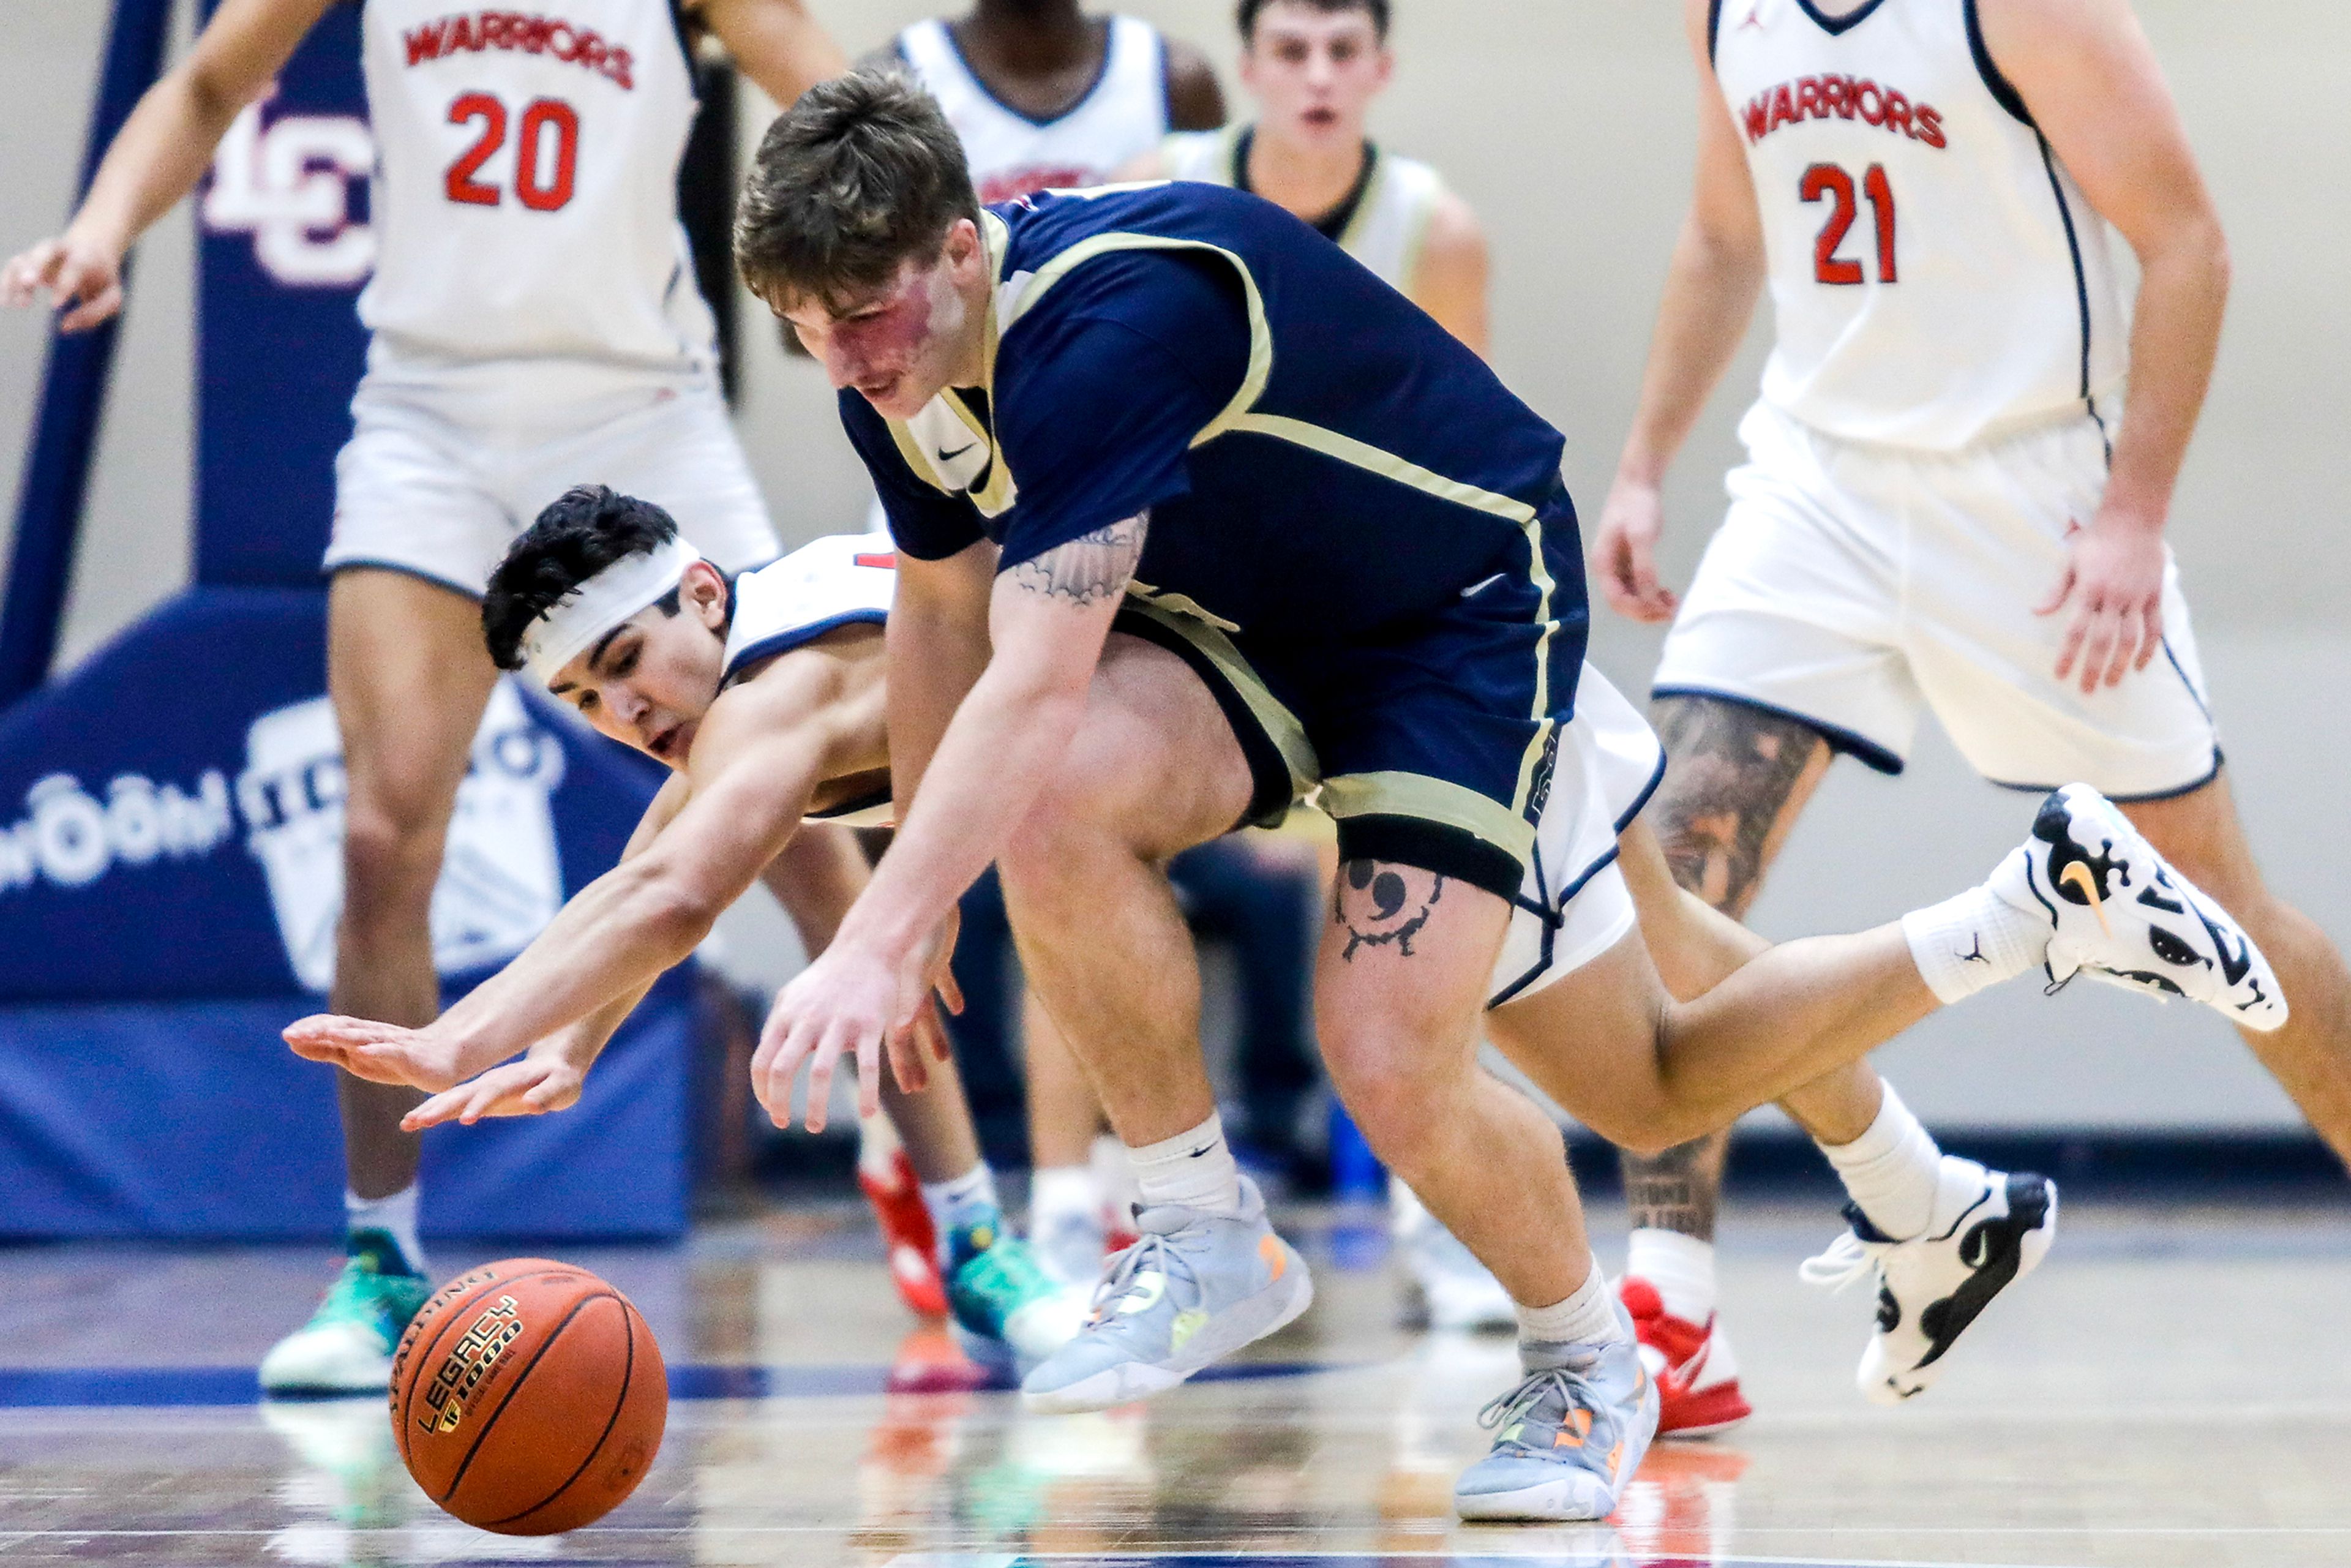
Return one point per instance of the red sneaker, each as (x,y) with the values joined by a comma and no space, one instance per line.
(1698,1381)
(907,1236)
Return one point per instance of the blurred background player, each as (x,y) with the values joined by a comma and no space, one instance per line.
(1945,501)
(763,694)
(534,316)
(1043,94)
(1314,67)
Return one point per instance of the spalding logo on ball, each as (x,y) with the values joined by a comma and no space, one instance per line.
(528,1397)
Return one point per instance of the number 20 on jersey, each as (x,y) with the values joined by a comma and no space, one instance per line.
(547,152)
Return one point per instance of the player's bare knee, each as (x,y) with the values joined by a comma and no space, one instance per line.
(388,865)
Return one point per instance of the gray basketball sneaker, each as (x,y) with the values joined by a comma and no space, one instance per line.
(1194,1288)
(2122,915)
(1569,1436)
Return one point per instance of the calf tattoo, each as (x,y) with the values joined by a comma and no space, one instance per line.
(1090,569)
(1397,902)
(1678,1190)
(1733,777)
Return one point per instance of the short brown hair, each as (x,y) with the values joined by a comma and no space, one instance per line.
(861,173)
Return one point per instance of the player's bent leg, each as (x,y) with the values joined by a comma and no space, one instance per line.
(1155,769)
(2310,1056)
(408,679)
(1406,961)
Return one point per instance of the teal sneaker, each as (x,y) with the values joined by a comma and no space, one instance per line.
(346,1347)
(1198,1287)
(1569,1436)
(1007,1312)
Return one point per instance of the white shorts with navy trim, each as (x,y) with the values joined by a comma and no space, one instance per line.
(1852,586)
(439,484)
(1573,905)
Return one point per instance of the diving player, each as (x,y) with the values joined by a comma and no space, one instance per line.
(1360,546)
(763,694)
(532,314)
(1948,502)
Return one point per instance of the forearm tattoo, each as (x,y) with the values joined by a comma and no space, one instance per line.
(1091,567)
(1384,905)
(1731,776)
(1678,1190)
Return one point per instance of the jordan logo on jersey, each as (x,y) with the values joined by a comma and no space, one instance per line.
(1847,98)
(474,31)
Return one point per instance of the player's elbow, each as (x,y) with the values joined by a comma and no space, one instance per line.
(674,909)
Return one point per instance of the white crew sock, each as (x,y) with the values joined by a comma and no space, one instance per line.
(1059,1194)
(1194,1169)
(395,1215)
(1587,1317)
(877,1149)
(960,1200)
(1979,939)
(1891,1171)
(1680,1267)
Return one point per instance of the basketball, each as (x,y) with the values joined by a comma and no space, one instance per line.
(528,1397)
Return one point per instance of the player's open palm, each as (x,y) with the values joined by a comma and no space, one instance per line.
(85,280)
(531,1087)
(2114,581)
(379,1052)
(1624,552)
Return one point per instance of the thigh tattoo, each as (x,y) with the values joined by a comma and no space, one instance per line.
(1731,774)
(1396,902)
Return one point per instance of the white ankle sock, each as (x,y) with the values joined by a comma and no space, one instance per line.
(1587,1317)
(395,1215)
(959,1199)
(1892,1170)
(1058,1194)
(1114,1178)
(1680,1267)
(877,1148)
(1979,939)
(1194,1169)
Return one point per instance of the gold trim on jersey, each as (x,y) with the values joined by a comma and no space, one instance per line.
(1427,799)
(1279,724)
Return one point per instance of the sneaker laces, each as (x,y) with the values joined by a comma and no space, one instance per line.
(1847,1260)
(1153,1250)
(1571,1387)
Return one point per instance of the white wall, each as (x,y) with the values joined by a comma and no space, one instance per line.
(1566,122)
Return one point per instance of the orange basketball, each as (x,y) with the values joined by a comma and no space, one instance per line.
(528,1397)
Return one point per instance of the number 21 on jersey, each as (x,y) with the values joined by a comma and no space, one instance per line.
(547,152)
(1828,181)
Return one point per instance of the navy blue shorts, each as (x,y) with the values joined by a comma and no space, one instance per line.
(1432,741)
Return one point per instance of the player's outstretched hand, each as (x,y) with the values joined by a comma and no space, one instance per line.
(83,278)
(2113,580)
(379,1052)
(1624,552)
(856,1003)
(531,1087)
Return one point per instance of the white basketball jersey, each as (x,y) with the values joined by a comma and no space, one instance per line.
(1390,220)
(1119,119)
(525,200)
(844,579)
(1936,275)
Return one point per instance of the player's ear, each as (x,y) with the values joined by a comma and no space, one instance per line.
(704,591)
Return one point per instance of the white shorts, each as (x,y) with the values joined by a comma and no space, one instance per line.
(1573,905)
(1852,585)
(440,485)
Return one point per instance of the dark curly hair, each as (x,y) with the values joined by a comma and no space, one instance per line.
(1247,13)
(580,533)
(861,173)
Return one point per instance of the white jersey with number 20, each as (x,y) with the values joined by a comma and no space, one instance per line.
(526,194)
(1936,275)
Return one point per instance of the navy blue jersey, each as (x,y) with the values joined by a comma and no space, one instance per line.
(1358,537)
(1309,443)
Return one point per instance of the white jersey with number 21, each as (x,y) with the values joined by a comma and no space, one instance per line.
(526,195)
(1937,275)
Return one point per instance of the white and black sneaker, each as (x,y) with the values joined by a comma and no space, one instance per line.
(2123,915)
(1989,1230)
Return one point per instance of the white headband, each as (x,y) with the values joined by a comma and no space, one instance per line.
(573,623)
